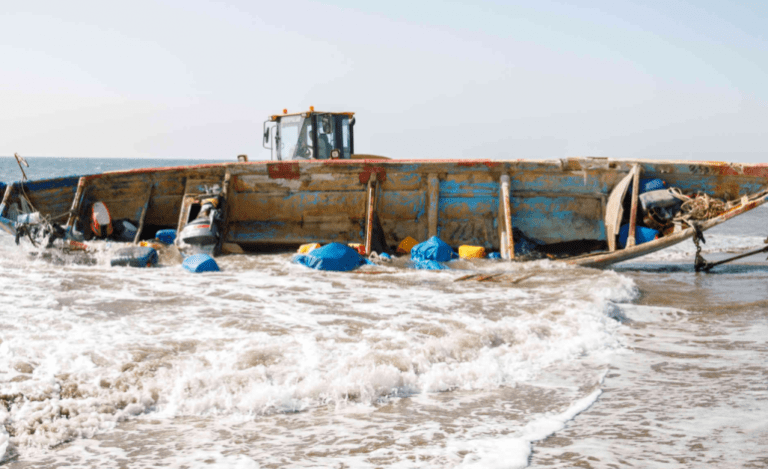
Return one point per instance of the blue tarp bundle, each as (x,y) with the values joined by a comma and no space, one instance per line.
(429,254)
(334,256)
(433,249)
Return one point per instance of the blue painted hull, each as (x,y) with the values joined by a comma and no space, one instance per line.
(552,203)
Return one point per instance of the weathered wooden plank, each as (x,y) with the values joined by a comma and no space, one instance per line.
(371,207)
(226,192)
(633,207)
(186,205)
(474,232)
(251,206)
(615,209)
(468,185)
(143,215)
(279,232)
(164,210)
(433,204)
(397,230)
(51,197)
(398,180)
(402,205)
(201,185)
(467,207)
(75,209)
(6,198)
(264,183)
(508,238)
(117,189)
(555,220)
(586,182)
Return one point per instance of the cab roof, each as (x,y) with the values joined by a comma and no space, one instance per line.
(308,113)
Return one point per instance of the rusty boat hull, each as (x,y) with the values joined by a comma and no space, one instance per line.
(562,205)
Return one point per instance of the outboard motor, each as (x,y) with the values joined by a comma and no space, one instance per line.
(202,233)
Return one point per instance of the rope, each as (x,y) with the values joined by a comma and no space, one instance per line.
(699,207)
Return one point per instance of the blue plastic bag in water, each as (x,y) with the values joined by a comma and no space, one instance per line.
(433,249)
(335,256)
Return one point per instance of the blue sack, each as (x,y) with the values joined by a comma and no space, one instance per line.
(643,234)
(198,263)
(648,185)
(335,256)
(433,249)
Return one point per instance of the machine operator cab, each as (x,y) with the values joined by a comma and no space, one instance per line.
(310,135)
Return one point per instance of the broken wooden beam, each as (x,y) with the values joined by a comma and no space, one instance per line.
(75,209)
(633,210)
(507,241)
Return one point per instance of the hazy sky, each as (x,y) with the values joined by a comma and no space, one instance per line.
(426,79)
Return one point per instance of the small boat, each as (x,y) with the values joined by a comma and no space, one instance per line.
(586,211)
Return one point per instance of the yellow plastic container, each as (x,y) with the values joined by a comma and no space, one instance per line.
(471,252)
(306,248)
(360,248)
(406,245)
(154,244)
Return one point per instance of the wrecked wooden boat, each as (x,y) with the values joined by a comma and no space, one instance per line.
(585,211)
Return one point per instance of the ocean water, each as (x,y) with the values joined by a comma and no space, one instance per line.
(269,364)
